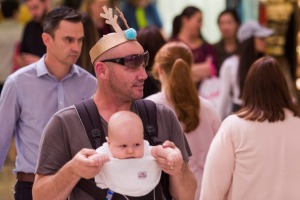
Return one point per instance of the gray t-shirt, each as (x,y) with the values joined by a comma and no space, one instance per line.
(64,136)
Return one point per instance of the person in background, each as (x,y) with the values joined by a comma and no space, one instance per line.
(94,28)
(141,13)
(151,39)
(10,31)
(34,93)
(199,120)
(229,23)
(255,154)
(92,8)
(90,38)
(90,34)
(119,62)
(76,4)
(32,47)
(252,37)
(186,28)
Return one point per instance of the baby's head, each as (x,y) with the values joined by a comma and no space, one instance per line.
(125,135)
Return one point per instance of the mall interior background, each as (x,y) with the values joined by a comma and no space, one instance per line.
(281,15)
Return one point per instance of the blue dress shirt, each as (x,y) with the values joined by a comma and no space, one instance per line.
(29,98)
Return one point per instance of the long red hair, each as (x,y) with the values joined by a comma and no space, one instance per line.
(176,59)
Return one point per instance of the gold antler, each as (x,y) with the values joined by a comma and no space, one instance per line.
(122,16)
(111,19)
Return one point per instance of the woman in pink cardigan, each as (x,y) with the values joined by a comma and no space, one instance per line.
(255,154)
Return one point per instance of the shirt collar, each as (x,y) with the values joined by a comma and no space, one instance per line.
(42,69)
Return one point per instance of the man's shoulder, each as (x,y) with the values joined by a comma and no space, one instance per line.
(68,111)
(164,113)
(68,116)
(26,72)
(161,108)
(84,73)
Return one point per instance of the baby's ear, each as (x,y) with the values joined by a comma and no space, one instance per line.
(107,139)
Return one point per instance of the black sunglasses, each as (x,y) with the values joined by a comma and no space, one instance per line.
(131,61)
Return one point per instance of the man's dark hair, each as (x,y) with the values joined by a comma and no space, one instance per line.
(58,14)
(9,8)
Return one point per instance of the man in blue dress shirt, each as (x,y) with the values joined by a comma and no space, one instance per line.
(34,93)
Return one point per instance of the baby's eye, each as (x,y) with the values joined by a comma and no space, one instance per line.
(123,146)
(137,144)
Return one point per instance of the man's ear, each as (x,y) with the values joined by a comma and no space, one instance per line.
(159,70)
(101,69)
(46,38)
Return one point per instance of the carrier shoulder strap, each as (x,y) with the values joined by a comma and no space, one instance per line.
(148,114)
(90,118)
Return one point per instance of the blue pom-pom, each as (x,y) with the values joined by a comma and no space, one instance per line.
(130,34)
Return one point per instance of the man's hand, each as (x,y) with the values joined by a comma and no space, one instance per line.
(169,157)
(87,163)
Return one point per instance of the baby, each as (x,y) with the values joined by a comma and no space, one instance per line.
(132,169)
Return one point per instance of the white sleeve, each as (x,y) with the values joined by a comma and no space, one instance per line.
(219,166)
(147,148)
(225,90)
(104,149)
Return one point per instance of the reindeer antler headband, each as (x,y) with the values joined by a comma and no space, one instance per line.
(112,39)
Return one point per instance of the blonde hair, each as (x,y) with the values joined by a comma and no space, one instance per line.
(176,59)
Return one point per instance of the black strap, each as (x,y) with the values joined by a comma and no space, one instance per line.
(90,118)
(147,112)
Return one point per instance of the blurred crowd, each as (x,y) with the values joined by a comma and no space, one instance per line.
(204,85)
(21,24)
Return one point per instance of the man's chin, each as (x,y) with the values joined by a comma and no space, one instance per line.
(139,96)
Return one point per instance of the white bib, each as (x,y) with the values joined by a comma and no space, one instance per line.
(133,177)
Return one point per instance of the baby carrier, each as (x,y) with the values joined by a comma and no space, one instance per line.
(89,115)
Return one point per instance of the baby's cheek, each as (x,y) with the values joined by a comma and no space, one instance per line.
(139,154)
(118,154)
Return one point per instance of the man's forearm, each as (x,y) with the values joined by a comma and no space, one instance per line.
(183,185)
(57,186)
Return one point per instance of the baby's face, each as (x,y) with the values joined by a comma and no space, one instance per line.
(124,145)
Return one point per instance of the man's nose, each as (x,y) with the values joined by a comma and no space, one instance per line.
(142,73)
(77,46)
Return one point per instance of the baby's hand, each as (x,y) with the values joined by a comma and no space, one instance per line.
(99,159)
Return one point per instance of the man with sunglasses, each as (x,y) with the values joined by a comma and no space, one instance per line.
(119,62)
